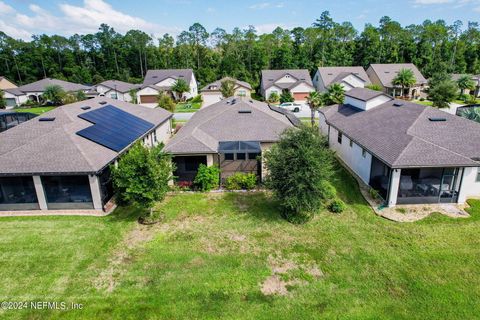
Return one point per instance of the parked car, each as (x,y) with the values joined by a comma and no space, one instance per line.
(291,106)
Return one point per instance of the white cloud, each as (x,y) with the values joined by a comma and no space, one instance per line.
(5,8)
(427,2)
(269,27)
(265,5)
(85,18)
(210,10)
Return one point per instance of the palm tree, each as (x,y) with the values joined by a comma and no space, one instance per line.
(315,100)
(405,78)
(3,102)
(54,94)
(465,82)
(335,94)
(180,87)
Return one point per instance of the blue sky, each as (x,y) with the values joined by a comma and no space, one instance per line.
(22,18)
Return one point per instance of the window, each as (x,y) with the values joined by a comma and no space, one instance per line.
(478,174)
(228,156)
(241,156)
(364,153)
(351,143)
(253,156)
(340,136)
(241,93)
(67,192)
(154,135)
(113,96)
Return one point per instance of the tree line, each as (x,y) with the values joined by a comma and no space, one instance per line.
(91,58)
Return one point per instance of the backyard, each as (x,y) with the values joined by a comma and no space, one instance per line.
(188,106)
(233,256)
(36,110)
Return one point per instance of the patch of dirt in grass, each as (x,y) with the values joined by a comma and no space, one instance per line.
(288,268)
(123,255)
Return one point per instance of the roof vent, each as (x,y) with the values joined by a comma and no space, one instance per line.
(398,104)
(270,79)
(47,119)
(437,119)
(86,108)
(103,102)
(181,75)
(154,77)
(330,74)
(476,158)
(234,101)
(387,71)
(244,111)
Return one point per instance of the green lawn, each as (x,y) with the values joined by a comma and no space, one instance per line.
(36,110)
(212,253)
(424,102)
(188,107)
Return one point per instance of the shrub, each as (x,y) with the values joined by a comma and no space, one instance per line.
(274,97)
(196,99)
(241,181)
(337,206)
(286,97)
(207,178)
(298,167)
(375,194)
(422,99)
(165,102)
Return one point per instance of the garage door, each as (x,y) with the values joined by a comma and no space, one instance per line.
(209,99)
(10,102)
(300,96)
(148,99)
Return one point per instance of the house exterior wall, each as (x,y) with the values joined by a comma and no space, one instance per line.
(166,82)
(354,81)
(193,88)
(147,91)
(269,91)
(470,186)
(358,161)
(286,79)
(366,105)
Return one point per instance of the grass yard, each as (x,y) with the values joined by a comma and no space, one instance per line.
(188,107)
(424,102)
(36,110)
(219,256)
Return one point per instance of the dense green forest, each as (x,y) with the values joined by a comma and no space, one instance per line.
(433,46)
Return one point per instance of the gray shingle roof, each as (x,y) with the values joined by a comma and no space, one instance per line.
(40,85)
(387,71)
(218,83)
(14,91)
(405,137)
(269,78)
(155,76)
(364,94)
(331,75)
(54,147)
(223,122)
(120,86)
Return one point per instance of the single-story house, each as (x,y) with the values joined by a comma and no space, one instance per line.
(298,82)
(33,91)
(409,153)
(348,77)
(475,79)
(157,81)
(14,97)
(211,93)
(232,134)
(383,74)
(116,89)
(6,84)
(61,159)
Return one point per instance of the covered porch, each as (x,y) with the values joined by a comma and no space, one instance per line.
(239,156)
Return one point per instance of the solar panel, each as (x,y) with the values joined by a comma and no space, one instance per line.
(113,128)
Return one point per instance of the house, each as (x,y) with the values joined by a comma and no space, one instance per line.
(157,81)
(6,84)
(409,153)
(60,160)
(211,93)
(33,91)
(115,89)
(232,134)
(348,77)
(297,82)
(475,79)
(383,75)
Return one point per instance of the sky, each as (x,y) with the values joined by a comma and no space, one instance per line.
(22,18)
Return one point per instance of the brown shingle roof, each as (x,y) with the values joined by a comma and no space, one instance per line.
(218,83)
(388,71)
(40,85)
(270,77)
(223,122)
(404,136)
(54,147)
(331,75)
(155,76)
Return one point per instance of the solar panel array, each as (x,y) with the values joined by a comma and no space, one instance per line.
(113,128)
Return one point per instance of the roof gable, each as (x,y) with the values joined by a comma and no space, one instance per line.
(331,75)
(388,71)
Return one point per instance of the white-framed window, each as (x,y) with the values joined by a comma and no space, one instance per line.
(340,137)
(241,93)
(351,143)
(364,153)
(113,96)
(478,175)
